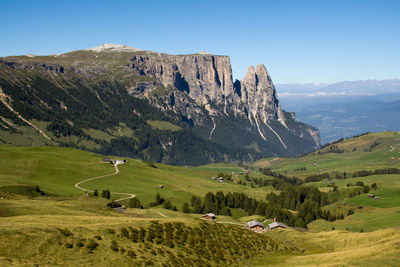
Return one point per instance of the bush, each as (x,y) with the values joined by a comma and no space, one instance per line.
(185,208)
(359,183)
(167,205)
(113,205)
(350,212)
(114,247)
(135,203)
(365,189)
(131,254)
(92,245)
(106,194)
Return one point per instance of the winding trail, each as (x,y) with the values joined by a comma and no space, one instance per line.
(210,136)
(104,176)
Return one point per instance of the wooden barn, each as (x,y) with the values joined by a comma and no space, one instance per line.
(276,225)
(256,226)
(208,216)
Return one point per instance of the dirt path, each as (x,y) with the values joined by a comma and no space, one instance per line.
(77,185)
(3,99)
(241,224)
(162,214)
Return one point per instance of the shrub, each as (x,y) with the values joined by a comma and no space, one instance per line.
(113,205)
(185,208)
(365,189)
(80,243)
(131,254)
(350,212)
(65,232)
(135,203)
(167,205)
(114,247)
(359,183)
(92,245)
(106,194)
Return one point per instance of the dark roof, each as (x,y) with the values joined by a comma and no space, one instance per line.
(277,224)
(255,223)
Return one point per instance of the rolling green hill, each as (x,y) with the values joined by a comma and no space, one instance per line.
(61,225)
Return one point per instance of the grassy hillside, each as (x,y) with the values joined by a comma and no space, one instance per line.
(337,248)
(367,152)
(55,170)
(66,227)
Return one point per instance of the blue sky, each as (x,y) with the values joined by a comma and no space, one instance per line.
(298,41)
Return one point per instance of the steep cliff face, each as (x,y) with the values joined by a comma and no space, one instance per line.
(83,90)
(208,96)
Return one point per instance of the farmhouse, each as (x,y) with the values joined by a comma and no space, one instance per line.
(371,195)
(106,160)
(213,178)
(256,226)
(276,225)
(160,186)
(208,216)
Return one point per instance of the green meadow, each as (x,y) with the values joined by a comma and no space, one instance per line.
(66,226)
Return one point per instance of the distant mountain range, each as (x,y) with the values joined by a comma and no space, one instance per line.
(345,109)
(118,100)
(367,87)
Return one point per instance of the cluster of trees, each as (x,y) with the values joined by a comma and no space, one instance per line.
(375,144)
(254,181)
(104,193)
(307,200)
(331,149)
(344,175)
(291,180)
(364,173)
(202,244)
(365,188)
(325,175)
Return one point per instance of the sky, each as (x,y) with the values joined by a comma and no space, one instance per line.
(298,41)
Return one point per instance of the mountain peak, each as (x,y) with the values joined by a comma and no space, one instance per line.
(113,48)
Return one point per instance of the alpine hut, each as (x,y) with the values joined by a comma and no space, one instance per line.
(256,226)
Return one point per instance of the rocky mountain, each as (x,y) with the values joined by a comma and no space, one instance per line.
(180,109)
